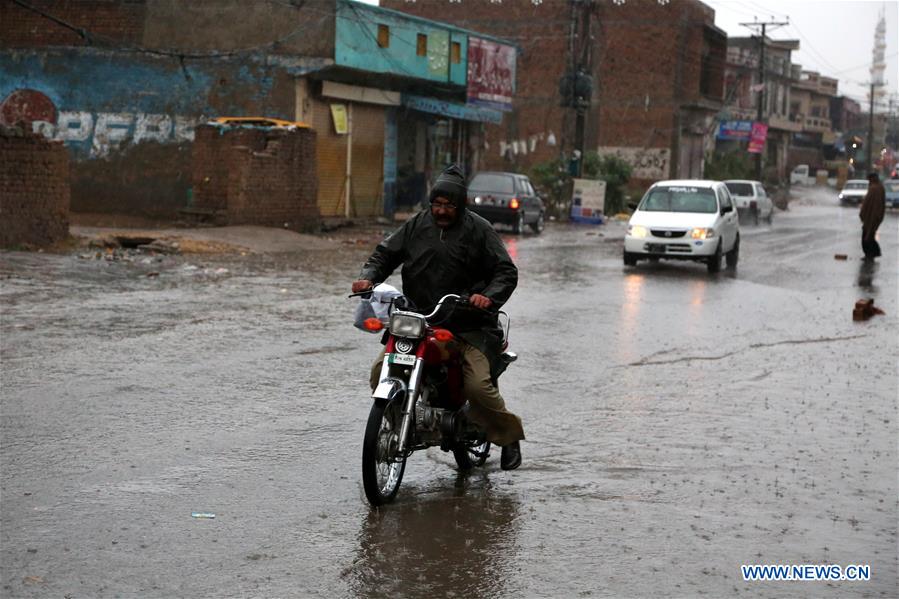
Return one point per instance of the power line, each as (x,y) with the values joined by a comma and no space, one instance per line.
(91,38)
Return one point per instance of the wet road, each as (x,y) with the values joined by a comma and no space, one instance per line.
(679,425)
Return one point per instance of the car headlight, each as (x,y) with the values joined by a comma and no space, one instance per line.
(478,199)
(840,196)
(702,233)
(637,231)
(407,324)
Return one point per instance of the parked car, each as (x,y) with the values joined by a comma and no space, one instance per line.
(684,220)
(751,199)
(853,192)
(891,186)
(802,175)
(508,199)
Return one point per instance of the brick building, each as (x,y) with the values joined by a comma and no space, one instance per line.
(743,86)
(810,104)
(657,71)
(124,84)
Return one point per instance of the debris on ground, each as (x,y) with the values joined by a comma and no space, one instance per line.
(161,246)
(840,257)
(104,242)
(865,309)
(203,515)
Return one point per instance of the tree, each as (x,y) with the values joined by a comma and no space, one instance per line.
(554,181)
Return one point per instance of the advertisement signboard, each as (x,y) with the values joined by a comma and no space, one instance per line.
(588,198)
(735,130)
(491,73)
(757,138)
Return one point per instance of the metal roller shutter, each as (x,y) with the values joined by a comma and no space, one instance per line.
(368,153)
(368,156)
(331,157)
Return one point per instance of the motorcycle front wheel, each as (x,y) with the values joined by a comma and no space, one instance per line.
(468,457)
(382,468)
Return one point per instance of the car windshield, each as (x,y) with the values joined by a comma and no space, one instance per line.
(891,185)
(486,182)
(740,189)
(680,199)
(858,185)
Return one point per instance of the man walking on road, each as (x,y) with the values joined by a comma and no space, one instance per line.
(871,215)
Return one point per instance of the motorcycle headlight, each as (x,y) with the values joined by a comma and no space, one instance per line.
(637,231)
(702,233)
(407,324)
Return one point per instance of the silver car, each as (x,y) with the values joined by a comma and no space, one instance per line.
(752,200)
(853,192)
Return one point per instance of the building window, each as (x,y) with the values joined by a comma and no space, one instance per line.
(456,52)
(383,36)
(421,48)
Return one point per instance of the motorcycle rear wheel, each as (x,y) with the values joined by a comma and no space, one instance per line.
(382,469)
(471,457)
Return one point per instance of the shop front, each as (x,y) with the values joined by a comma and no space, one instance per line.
(430,134)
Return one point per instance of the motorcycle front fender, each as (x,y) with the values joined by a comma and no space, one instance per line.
(390,389)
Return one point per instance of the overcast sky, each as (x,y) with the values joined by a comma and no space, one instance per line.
(836,37)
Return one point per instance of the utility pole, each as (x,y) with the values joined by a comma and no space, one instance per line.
(576,86)
(760,113)
(583,64)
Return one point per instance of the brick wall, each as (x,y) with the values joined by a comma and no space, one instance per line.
(646,58)
(257,176)
(109,22)
(34,190)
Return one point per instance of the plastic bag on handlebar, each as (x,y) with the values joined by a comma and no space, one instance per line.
(376,306)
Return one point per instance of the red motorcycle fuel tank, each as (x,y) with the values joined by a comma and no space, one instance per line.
(437,353)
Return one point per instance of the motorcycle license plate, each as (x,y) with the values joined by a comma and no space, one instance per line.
(405,359)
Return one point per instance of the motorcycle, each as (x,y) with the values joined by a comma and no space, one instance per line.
(418,402)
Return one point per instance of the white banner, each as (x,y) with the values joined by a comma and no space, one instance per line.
(646,163)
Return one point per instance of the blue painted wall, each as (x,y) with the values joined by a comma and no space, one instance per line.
(128,118)
(130,85)
(357,45)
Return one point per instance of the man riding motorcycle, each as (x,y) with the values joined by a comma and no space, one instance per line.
(448,249)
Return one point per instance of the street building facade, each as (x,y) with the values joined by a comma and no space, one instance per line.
(656,80)
(811,101)
(124,85)
(747,95)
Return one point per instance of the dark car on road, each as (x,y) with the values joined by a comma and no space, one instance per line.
(508,199)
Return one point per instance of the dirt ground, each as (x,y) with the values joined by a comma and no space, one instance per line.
(219,240)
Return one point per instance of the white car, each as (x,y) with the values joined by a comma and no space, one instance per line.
(751,199)
(684,220)
(853,192)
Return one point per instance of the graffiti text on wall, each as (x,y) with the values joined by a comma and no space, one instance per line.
(107,131)
(646,163)
(101,132)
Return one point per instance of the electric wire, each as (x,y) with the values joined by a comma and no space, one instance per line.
(92,39)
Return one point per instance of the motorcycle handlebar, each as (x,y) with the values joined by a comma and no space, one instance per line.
(448,296)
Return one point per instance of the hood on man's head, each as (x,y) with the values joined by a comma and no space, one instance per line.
(450,184)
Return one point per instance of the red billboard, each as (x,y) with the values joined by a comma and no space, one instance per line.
(491,73)
(757,138)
